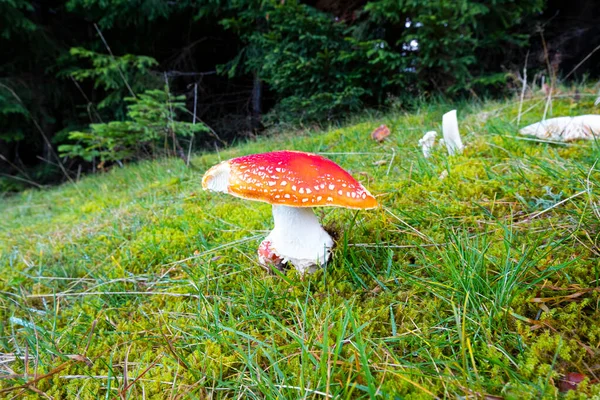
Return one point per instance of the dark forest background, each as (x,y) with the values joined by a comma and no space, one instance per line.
(85,84)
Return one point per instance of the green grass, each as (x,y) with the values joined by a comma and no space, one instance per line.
(137,284)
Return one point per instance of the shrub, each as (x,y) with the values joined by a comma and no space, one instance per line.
(318,66)
(456,45)
(151,129)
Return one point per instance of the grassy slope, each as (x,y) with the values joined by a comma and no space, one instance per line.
(157,284)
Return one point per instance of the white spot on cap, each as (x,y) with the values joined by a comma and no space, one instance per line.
(294,188)
(331,186)
(272,183)
(301,190)
(340,192)
(308,191)
(322,185)
(353,195)
(319,198)
(316,187)
(330,199)
(304,200)
(364,196)
(287,196)
(283,183)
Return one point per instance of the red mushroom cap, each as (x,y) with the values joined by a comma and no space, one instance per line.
(293,178)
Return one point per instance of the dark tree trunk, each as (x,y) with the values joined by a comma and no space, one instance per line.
(4,155)
(256,101)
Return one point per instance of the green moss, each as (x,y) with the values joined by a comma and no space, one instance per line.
(430,294)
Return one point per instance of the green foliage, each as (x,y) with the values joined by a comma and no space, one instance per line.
(110,13)
(117,76)
(13,20)
(319,67)
(457,45)
(151,121)
(12,114)
(317,63)
(453,288)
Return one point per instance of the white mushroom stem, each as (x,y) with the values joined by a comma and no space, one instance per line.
(427,143)
(451,135)
(299,238)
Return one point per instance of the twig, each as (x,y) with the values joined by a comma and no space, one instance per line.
(38,378)
(307,390)
(523,90)
(79,294)
(22,171)
(87,346)
(582,61)
(212,131)
(528,139)
(39,392)
(421,235)
(23,180)
(88,100)
(589,190)
(148,368)
(179,73)
(176,147)
(39,128)
(193,123)
(550,74)
(125,385)
(537,214)
(391,162)
(221,247)
(114,59)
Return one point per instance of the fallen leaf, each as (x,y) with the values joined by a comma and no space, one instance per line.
(380,133)
(570,381)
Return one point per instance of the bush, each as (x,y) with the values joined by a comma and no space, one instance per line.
(319,67)
(456,45)
(150,130)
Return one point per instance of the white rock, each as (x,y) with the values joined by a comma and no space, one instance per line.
(565,129)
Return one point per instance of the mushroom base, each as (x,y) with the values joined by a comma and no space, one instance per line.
(298,238)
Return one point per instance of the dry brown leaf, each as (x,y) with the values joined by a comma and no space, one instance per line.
(380,133)
(570,381)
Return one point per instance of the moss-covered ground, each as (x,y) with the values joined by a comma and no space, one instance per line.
(478,276)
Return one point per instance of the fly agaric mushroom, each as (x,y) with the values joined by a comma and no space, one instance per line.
(293,182)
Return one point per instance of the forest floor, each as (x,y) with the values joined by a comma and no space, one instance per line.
(477,276)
